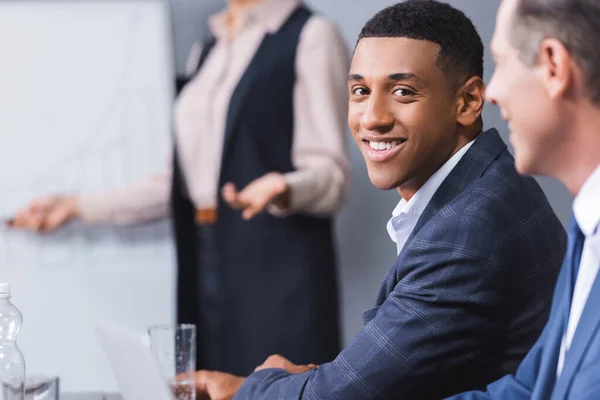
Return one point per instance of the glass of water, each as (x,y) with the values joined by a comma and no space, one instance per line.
(174,351)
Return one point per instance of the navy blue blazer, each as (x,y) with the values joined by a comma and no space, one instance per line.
(536,377)
(464,302)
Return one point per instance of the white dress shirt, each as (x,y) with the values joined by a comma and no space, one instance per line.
(407,213)
(587,214)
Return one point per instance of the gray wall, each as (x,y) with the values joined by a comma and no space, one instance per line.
(366,251)
(189,25)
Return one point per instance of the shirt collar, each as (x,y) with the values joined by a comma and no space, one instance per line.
(417,204)
(585,206)
(271,14)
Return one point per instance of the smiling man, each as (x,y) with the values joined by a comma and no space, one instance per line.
(547,85)
(479,246)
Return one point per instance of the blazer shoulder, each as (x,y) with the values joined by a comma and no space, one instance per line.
(502,195)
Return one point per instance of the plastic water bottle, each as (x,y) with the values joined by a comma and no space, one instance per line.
(12,363)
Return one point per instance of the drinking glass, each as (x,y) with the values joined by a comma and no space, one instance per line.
(174,350)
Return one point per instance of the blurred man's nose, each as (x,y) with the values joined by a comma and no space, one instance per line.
(490,93)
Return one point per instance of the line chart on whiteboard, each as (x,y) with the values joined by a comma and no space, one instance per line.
(121,139)
(86,90)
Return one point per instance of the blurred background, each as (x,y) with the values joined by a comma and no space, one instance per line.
(86,89)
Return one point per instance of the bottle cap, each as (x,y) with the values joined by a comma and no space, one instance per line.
(4,290)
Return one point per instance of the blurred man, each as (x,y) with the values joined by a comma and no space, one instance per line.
(480,247)
(547,85)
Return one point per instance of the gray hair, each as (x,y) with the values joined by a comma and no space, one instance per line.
(575,23)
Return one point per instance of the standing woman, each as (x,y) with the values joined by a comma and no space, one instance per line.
(259,127)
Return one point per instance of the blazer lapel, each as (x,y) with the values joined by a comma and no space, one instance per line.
(556,328)
(473,164)
(242,91)
(587,327)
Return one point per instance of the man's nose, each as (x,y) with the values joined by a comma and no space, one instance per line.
(490,93)
(378,116)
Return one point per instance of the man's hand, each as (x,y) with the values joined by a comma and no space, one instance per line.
(277,361)
(270,188)
(46,214)
(217,385)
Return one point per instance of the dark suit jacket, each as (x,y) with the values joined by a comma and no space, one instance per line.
(464,302)
(580,376)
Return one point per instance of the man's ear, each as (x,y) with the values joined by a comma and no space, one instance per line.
(557,67)
(470,100)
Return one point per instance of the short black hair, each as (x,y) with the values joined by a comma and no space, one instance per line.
(461,49)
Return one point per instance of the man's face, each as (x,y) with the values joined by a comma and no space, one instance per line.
(402,111)
(518,90)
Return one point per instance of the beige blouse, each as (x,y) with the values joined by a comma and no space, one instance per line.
(319,183)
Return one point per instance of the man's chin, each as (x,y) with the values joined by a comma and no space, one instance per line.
(383,184)
(523,163)
(524,166)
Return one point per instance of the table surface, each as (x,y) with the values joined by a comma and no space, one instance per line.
(89,396)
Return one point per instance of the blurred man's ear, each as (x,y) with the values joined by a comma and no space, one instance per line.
(557,68)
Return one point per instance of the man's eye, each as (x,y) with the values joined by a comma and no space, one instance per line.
(404,92)
(359,91)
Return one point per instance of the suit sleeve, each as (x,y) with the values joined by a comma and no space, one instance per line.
(440,323)
(521,385)
(514,387)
